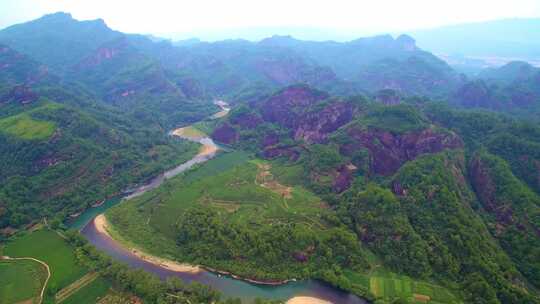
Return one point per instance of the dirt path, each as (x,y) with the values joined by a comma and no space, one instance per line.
(101,225)
(265,179)
(42,263)
(75,286)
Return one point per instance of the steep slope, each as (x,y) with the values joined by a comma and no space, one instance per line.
(379,62)
(58,160)
(512,211)
(125,78)
(62,151)
(510,72)
(413,183)
(438,202)
(513,88)
(355,133)
(57,40)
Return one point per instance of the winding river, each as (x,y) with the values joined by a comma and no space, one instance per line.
(306,292)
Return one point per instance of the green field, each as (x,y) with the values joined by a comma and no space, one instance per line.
(20,280)
(90,293)
(226,184)
(192,132)
(25,127)
(47,246)
(390,286)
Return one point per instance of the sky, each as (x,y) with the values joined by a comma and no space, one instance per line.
(201,18)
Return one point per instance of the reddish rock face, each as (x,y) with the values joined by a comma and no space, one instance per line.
(270,139)
(315,126)
(225,134)
(286,107)
(289,152)
(344,178)
(390,151)
(21,94)
(104,53)
(486,189)
(300,257)
(246,120)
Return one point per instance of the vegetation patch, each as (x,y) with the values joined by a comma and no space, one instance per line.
(228,221)
(189,132)
(92,292)
(389,287)
(75,286)
(21,280)
(50,248)
(25,127)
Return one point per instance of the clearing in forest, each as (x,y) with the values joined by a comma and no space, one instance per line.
(266,179)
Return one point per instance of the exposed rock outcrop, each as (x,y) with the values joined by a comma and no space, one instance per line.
(286,107)
(20,94)
(390,151)
(225,134)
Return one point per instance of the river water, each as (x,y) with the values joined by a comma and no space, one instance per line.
(228,286)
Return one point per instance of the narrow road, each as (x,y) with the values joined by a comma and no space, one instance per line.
(42,263)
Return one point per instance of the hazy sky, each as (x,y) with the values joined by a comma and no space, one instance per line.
(199,16)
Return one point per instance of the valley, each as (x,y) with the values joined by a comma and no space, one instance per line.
(140,170)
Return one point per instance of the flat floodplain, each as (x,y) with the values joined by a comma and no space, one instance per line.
(90,293)
(49,247)
(21,280)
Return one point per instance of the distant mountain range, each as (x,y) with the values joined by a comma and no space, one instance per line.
(510,38)
(479,44)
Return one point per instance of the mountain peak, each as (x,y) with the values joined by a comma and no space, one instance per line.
(279,40)
(407,42)
(58,16)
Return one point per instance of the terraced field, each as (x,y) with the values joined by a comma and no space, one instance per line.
(231,184)
(390,286)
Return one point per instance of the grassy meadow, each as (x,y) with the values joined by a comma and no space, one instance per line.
(21,280)
(49,247)
(25,127)
(227,184)
(91,293)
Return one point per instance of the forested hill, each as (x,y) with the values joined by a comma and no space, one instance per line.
(437,193)
(513,88)
(67,142)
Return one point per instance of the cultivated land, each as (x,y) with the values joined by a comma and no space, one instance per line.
(391,286)
(50,248)
(230,184)
(91,293)
(21,281)
(252,193)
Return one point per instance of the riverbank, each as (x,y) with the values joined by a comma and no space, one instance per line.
(102,226)
(307,300)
